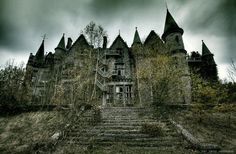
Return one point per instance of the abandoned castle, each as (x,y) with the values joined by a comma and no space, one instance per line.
(113,72)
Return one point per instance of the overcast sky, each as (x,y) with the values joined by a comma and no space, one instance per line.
(24,22)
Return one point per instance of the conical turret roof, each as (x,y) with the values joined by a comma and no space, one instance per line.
(170,26)
(40,52)
(137,39)
(61,44)
(205,50)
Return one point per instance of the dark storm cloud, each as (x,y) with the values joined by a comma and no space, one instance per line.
(23,22)
(114,8)
(23,19)
(214,18)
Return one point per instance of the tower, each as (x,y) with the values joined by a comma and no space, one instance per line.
(208,67)
(60,50)
(172,37)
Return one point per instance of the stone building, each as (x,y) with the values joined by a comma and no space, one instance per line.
(114,67)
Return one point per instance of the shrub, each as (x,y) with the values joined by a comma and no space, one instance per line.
(153,129)
(225,108)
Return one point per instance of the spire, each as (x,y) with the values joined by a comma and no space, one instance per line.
(205,50)
(61,44)
(170,26)
(136,37)
(40,52)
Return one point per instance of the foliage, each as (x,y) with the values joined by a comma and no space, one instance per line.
(11,78)
(162,76)
(230,89)
(206,92)
(153,129)
(81,78)
(224,108)
(95,34)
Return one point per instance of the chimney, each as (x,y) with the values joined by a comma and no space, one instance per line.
(104,42)
(69,43)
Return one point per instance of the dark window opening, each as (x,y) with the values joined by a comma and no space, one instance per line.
(177,39)
(119,72)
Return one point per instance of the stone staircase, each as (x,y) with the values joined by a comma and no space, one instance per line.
(123,125)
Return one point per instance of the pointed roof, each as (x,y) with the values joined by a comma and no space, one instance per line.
(151,37)
(205,50)
(81,42)
(118,43)
(137,39)
(61,44)
(170,26)
(40,52)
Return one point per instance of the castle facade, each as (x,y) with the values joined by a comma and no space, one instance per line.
(113,72)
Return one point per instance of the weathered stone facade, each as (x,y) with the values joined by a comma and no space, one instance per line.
(79,72)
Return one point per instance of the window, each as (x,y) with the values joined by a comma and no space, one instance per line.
(117,89)
(120,69)
(177,39)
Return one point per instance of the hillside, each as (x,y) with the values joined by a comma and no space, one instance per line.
(49,132)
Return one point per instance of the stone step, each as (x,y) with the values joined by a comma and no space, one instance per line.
(120,135)
(118,127)
(129,121)
(162,150)
(132,144)
(123,125)
(126,108)
(123,122)
(143,139)
(111,139)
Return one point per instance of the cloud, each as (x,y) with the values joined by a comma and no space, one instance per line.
(23,22)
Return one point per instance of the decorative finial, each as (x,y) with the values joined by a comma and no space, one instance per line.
(166,5)
(63,34)
(136,28)
(44,37)
(119,31)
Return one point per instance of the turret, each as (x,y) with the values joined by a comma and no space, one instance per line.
(173,35)
(39,57)
(30,60)
(60,50)
(208,68)
(137,39)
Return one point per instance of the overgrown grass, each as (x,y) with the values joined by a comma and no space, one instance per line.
(213,125)
(31,131)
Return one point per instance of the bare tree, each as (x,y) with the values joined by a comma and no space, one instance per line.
(95,34)
(11,78)
(232,71)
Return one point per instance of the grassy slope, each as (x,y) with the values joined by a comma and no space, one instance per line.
(20,133)
(29,132)
(211,126)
